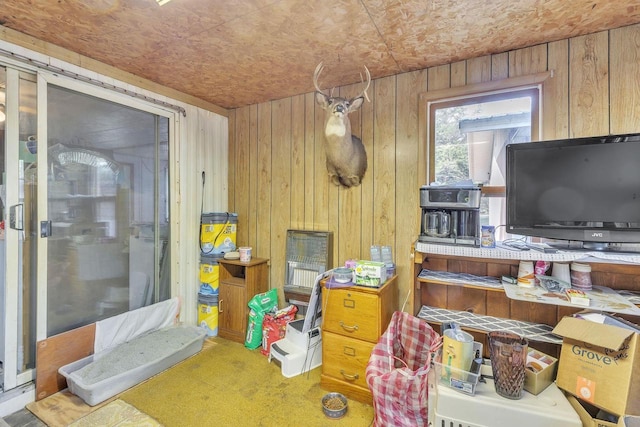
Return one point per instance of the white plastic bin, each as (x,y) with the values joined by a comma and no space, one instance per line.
(145,361)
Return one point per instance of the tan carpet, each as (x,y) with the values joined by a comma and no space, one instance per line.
(227,384)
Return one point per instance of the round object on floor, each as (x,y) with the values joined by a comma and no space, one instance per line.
(334,405)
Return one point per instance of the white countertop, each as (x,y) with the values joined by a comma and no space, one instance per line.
(532,255)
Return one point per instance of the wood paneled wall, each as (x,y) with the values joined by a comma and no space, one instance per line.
(277,173)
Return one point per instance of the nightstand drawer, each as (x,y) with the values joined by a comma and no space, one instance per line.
(352,313)
(345,359)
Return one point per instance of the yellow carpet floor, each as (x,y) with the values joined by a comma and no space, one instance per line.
(228,385)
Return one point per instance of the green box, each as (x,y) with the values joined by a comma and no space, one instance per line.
(370,273)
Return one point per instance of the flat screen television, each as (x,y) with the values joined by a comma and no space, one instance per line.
(582,190)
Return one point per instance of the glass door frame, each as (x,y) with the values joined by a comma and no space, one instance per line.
(44,79)
(12,237)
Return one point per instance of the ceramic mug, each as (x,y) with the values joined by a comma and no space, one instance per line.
(245,253)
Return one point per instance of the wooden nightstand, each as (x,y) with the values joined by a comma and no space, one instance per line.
(239,282)
(353,320)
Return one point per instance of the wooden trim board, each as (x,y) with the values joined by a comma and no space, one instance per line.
(57,351)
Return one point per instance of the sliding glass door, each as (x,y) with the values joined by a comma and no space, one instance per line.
(18,238)
(84,209)
(107,224)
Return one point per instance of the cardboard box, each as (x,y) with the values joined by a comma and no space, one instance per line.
(588,413)
(540,372)
(600,363)
(370,273)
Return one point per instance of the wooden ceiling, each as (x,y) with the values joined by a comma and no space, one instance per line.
(242,52)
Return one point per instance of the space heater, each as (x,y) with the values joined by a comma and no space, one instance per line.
(308,253)
(308,259)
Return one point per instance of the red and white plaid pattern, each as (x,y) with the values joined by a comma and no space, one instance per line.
(397,372)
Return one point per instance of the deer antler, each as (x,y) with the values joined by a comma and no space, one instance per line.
(320,68)
(316,75)
(364,92)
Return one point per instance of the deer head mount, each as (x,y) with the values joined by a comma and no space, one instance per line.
(346,156)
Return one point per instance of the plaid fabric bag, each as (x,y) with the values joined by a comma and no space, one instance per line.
(397,371)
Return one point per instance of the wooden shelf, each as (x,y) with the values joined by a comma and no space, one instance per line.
(478,300)
(482,323)
(460,279)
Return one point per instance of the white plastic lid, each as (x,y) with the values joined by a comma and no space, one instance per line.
(584,268)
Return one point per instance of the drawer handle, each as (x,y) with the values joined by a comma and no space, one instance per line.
(348,376)
(220,307)
(349,351)
(348,328)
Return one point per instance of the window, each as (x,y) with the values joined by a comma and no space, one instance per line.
(467,130)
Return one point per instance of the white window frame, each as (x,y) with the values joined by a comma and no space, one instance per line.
(44,79)
(432,100)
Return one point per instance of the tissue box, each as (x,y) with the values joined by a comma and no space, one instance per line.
(540,372)
(370,273)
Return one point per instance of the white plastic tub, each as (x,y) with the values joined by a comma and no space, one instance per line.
(486,408)
(100,376)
